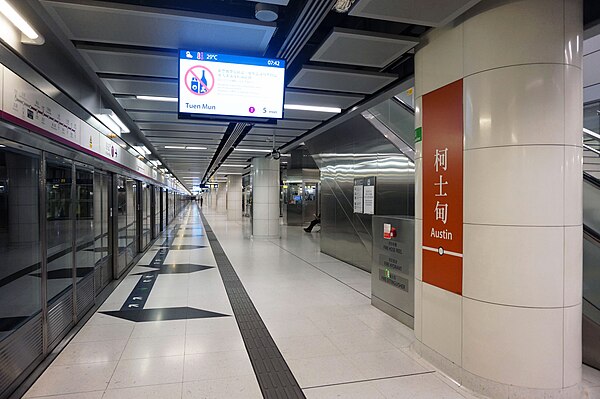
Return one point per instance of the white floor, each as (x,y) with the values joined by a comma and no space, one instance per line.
(316,308)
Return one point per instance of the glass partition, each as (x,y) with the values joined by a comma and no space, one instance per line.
(59,234)
(122,224)
(20,269)
(84,216)
(132,206)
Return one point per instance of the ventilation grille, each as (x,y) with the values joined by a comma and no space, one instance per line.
(18,351)
(85,294)
(60,317)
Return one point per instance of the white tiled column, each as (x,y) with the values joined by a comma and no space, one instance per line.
(221,205)
(234,197)
(516,329)
(212,198)
(265,198)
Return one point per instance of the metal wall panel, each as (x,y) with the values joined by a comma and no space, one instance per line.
(60,318)
(85,295)
(355,149)
(18,352)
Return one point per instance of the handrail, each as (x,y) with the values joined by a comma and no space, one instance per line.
(591,133)
(591,179)
(403,105)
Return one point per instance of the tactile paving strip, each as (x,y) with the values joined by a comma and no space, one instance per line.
(272,372)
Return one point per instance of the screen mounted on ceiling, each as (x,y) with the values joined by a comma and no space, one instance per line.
(221,86)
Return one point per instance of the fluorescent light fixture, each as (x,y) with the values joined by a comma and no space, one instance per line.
(233,166)
(156,162)
(17,20)
(228,173)
(252,150)
(132,152)
(109,123)
(174,147)
(119,122)
(2,146)
(313,108)
(142,149)
(195,148)
(158,98)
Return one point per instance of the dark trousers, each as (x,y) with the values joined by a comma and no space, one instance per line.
(313,224)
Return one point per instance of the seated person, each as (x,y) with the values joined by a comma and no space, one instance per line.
(315,221)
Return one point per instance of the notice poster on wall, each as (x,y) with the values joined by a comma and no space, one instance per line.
(358,195)
(369,196)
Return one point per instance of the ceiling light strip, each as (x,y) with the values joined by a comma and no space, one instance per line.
(312,108)
(158,98)
(17,20)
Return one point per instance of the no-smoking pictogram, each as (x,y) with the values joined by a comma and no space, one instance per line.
(199,80)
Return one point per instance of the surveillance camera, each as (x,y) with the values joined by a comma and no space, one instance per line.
(276,154)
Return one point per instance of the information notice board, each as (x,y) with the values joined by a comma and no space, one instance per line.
(364,195)
(358,195)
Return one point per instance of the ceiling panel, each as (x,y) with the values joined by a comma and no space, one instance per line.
(421,12)
(276,2)
(321,100)
(176,127)
(278,132)
(141,87)
(290,124)
(183,135)
(307,115)
(162,28)
(136,64)
(133,104)
(163,117)
(319,78)
(346,46)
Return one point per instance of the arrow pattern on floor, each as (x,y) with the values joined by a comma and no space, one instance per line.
(133,308)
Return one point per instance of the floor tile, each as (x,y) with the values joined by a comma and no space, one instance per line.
(592,393)
(159,329)
(103,319)
(292,328)
(167,391)
(104,332)
(211,366)
(88,352)
(306,347)
(244,387)
(385,364)
(416,387)
(210,325)
(317,371)
(591,376)
(82,395)
(140,348)
(59,380)
(359,390)
(360,341)
(340,325)
(226,341)
(150,371)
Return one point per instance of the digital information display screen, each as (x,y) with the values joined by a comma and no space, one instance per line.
(213,84)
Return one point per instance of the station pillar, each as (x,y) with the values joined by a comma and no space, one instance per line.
(234,197)
(212,197)
(221,198)
(265,198)
(498,264)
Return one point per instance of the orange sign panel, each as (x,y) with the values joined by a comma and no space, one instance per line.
(442,167)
